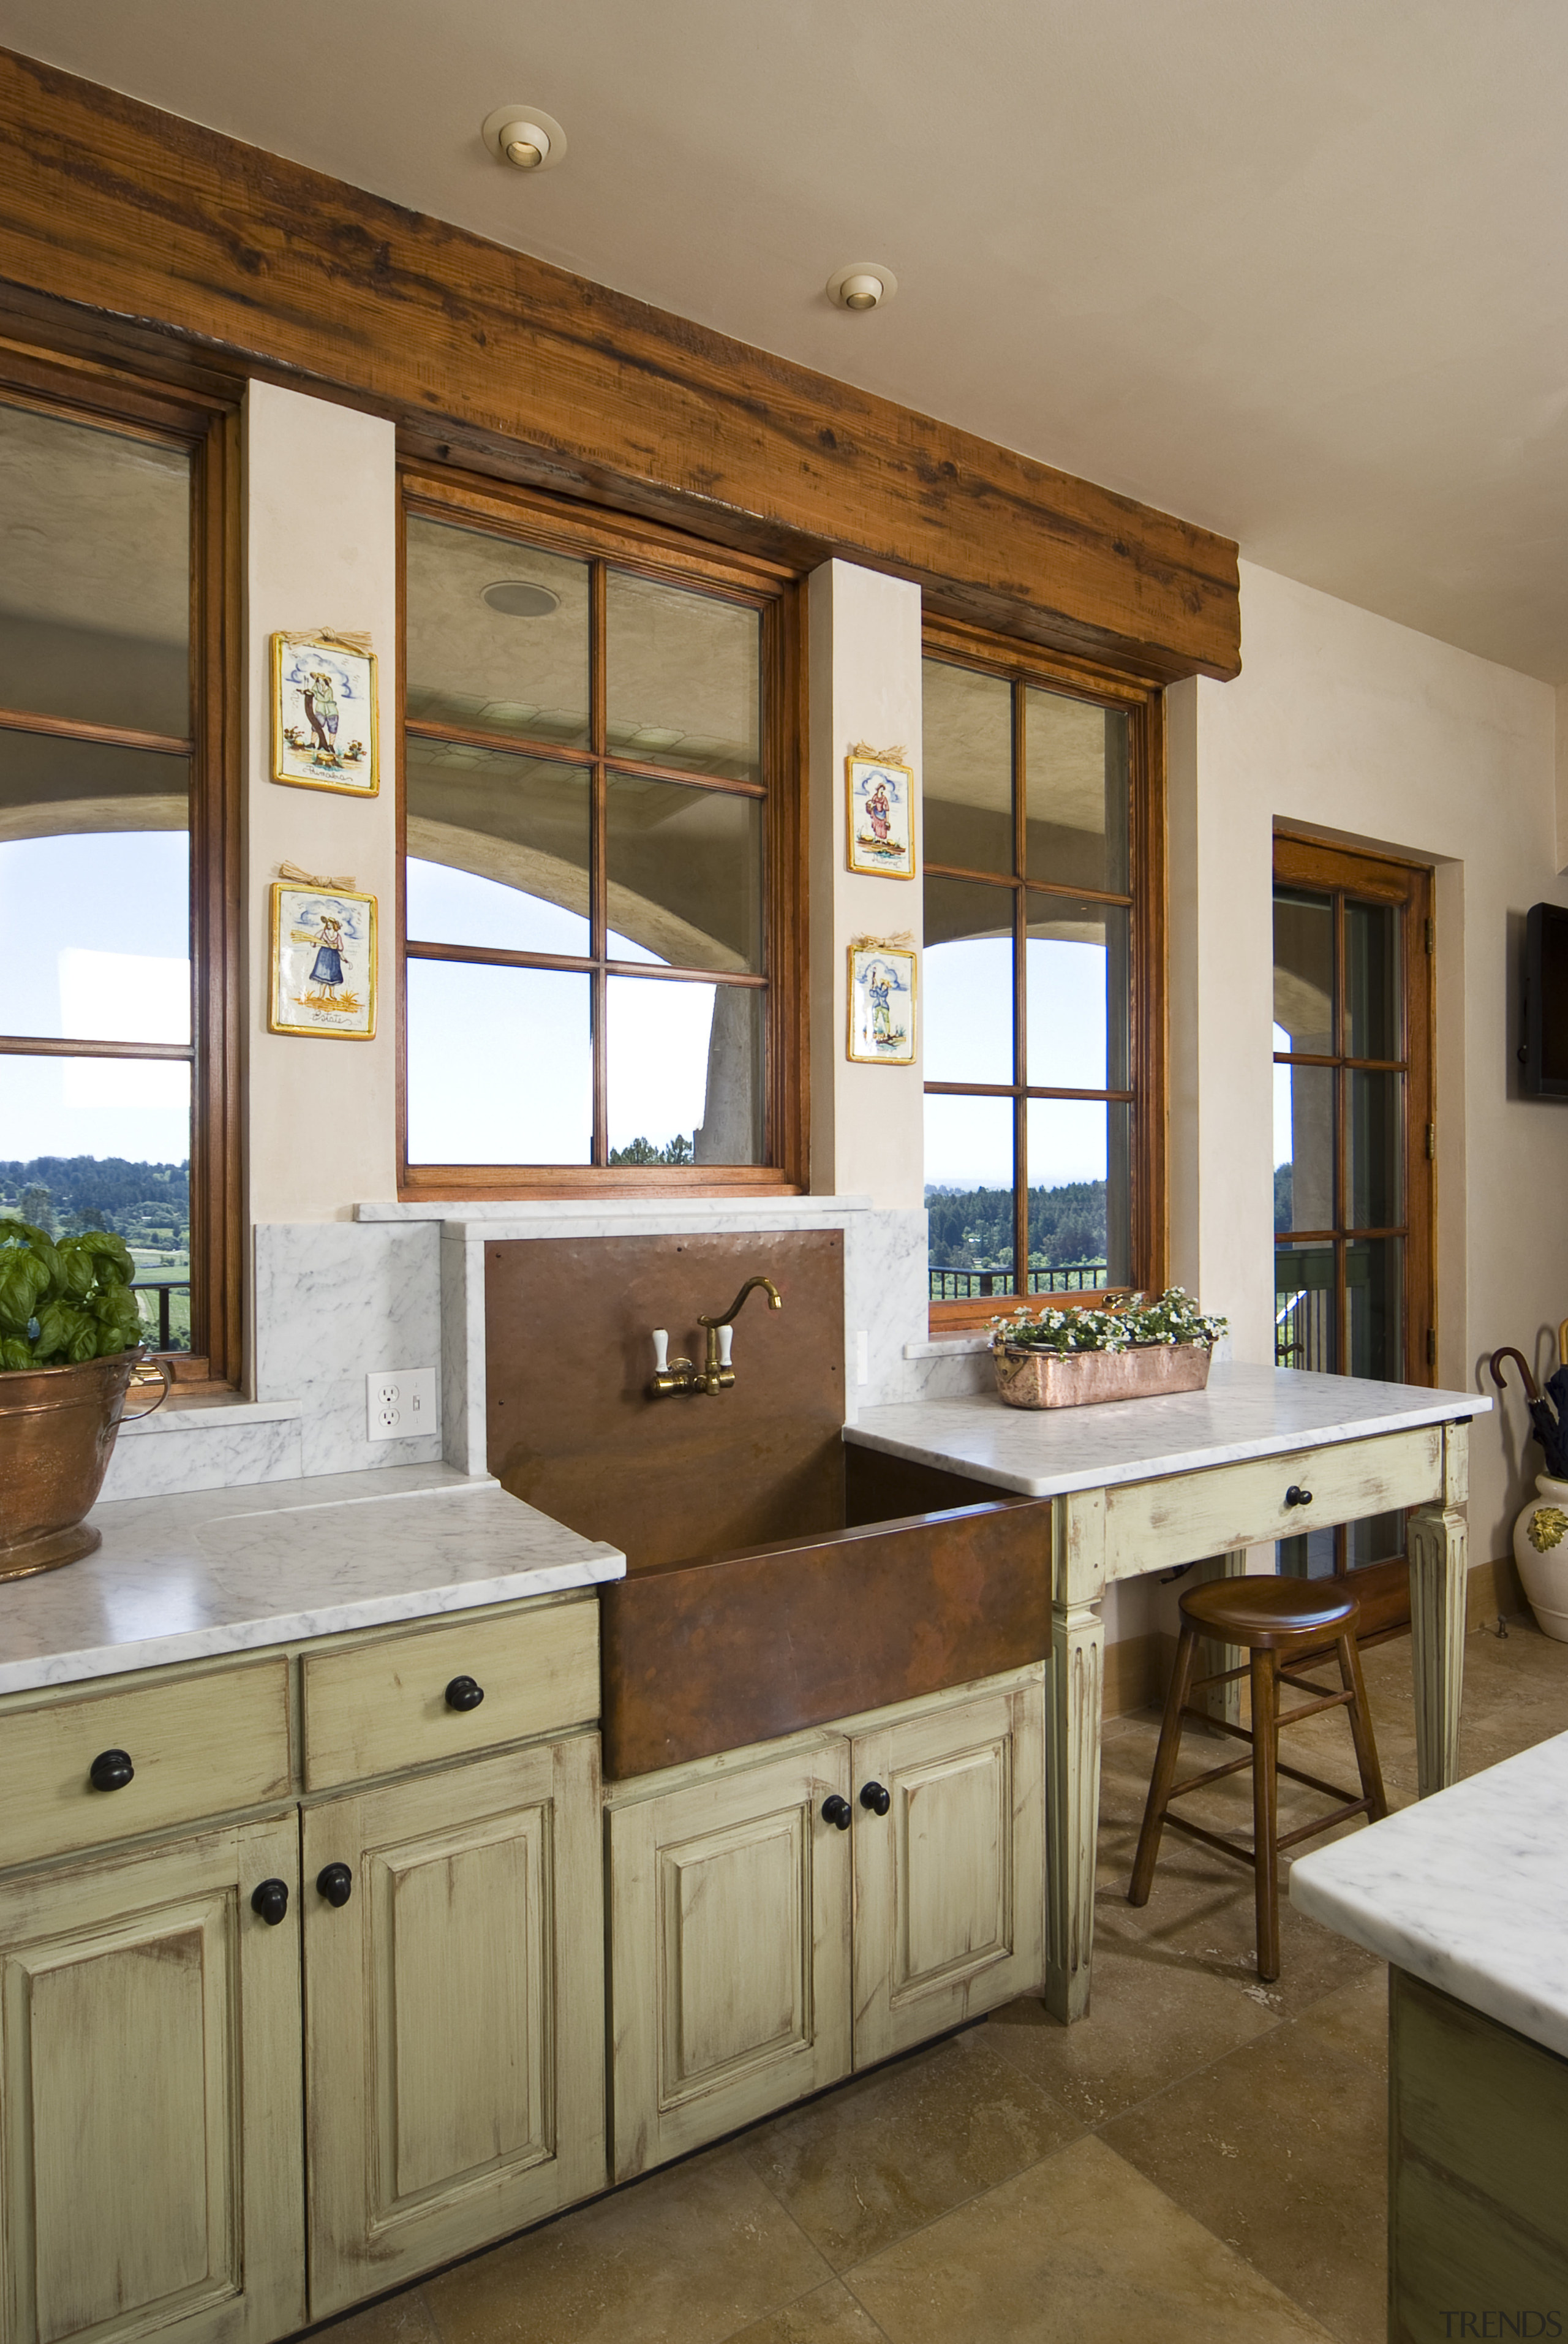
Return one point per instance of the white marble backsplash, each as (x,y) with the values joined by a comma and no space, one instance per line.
(335,1302)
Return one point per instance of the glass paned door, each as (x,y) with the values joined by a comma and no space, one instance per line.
(1354,1143)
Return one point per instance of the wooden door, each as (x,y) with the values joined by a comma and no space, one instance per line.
(950,1886)
(150,2080)
(1355,1147)
(454,2013)
(729,1952)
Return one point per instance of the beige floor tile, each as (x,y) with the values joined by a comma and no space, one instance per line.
(1279,2151)
(1153,2018)
(829,2315)
(1080,2250)
(687,2256)
(883,2156)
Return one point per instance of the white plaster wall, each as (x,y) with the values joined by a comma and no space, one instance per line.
(1345,724)
(864,649)
(321,548)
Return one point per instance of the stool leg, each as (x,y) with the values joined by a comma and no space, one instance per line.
(1266,1810)
(1361,1727)
(1164,1774)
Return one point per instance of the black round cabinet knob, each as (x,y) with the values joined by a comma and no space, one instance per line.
(835,1811)
(336,1882)
(271,1901)
(464,1693)
(875,1799)
(1296,1496)
(111,1770)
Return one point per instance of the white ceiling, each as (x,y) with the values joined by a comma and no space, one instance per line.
(1293,268)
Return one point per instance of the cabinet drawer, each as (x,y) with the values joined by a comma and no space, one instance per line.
(200,1745)
(1155,1525)
(380,1707)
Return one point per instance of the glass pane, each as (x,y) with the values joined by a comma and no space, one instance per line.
(968,978)
(685,1066)
(1303,972)
(1303,1146)
(966,755)
(1076,973)
(685,876)
(1376,1150)
(95,585)
(498,849)
(1309,1556)
(1080,1194)
(682,675)
(98,935)
(1077,792)
(497,634)
(1372,981)
(1305,1315)
(500,1066)
(1374,1308)
(969,1197)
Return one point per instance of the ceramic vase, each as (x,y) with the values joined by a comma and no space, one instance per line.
(1540,1552)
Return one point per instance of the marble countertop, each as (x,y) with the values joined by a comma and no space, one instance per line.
(1467,1890)
(228,1571)
(1246,1411)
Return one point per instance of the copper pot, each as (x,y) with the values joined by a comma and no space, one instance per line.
(57,1427)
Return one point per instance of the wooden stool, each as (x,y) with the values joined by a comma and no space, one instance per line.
(1273,1618)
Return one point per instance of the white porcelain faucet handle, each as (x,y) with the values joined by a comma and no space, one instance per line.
(661,1350)
(726,1337)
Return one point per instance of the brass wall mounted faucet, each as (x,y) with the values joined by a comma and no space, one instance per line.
(715,1374)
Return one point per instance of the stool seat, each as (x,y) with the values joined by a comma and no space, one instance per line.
(1261,1614)
(1282,1623)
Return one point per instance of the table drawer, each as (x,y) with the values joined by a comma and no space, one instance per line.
(198,1745)
(1155,1525)
(379,1707)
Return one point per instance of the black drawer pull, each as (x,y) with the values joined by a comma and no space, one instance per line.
(835,1811)
(464,1693)
(271,1901)
(336,1882)
(1296,1496)
(875,1799)
(111,1770)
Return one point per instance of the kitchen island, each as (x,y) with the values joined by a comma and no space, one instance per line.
(1464,1897)
(1151,1485)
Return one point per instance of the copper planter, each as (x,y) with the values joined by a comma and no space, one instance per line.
(1025,1378)
(57,1427)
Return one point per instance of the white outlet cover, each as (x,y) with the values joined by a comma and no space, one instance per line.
(400,1404)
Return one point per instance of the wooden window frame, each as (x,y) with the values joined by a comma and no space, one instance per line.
(1021,665)
(647,550)
(1301,861)
(207,426)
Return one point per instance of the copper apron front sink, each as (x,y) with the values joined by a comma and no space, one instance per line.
(703,1656)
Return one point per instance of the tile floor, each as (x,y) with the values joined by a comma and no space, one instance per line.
(1202,2157)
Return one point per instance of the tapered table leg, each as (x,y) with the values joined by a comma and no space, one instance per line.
(1075,1699)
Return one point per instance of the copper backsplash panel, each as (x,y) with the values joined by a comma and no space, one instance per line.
(570,1355)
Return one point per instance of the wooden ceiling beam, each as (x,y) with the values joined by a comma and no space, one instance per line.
(178,240)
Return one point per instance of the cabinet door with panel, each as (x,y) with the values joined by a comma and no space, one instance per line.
(454,1948)
(152,2164)
(949,1892)
(729,1952)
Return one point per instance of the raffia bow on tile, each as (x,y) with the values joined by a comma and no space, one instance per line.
(879,756)
(298,878)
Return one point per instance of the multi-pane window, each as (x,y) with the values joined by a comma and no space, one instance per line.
(592,820)
(1041,1064)
(99,772)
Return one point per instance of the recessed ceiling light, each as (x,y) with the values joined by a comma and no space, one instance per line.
(863,285)
(517,597)
(526,135)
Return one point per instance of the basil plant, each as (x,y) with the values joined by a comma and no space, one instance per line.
(63,1303)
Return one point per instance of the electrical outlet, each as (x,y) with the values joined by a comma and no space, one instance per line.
(400,1404)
